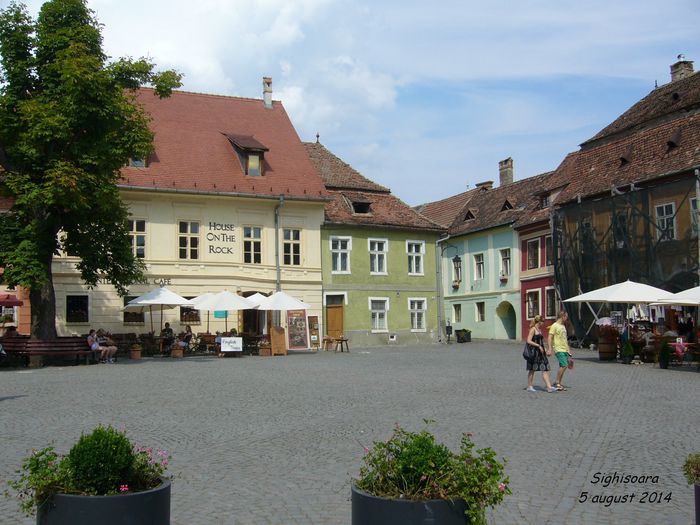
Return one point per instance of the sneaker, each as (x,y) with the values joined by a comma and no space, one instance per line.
(110,360)
(531,389)
(552,389)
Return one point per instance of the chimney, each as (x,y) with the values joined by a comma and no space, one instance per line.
(486,185)
(681,69)
(267,92)
(505,171)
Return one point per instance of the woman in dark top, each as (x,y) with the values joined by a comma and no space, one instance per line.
(540,362)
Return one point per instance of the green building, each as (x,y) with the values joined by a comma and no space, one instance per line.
(378,261)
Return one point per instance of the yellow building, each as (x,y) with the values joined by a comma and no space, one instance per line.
(228,199)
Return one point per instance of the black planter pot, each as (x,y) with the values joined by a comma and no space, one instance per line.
(371,510)
(150,507)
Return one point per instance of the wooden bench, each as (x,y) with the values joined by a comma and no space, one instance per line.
(32,351)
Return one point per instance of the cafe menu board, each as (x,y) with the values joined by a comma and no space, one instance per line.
(297,330)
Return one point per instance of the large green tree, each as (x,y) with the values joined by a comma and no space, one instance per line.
(68,123)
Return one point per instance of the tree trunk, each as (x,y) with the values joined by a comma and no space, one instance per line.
(43,303)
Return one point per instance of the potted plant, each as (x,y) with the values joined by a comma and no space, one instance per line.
(627,353)
(463,335)
(103,479)
(412,479)
(691,469)
(135,351)
(664,354)
(607,342)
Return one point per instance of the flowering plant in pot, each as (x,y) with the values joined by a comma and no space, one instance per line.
(103,478)
(691,469)
(411,476)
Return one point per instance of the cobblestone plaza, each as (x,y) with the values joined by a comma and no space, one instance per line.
(259,440)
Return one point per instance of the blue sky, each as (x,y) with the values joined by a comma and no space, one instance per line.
(422,98)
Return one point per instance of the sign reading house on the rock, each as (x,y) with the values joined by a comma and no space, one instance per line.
(221,236)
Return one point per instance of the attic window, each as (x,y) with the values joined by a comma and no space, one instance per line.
(507,206)
(361,207)
(676,97)
(251,153)
(626,156)
(469,216)
(673,142)
(546,200)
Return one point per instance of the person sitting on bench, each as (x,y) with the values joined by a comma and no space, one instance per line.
(99,342)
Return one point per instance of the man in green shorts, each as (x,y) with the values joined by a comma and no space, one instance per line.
(559,343)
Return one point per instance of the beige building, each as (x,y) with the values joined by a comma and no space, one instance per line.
(228,199)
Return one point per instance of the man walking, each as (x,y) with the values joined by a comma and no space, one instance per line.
(559,343)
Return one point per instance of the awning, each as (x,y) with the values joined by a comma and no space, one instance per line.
(8,300)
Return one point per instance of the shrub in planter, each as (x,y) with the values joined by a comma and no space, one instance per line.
(413,466)
(691,469)
(627,353)
(101,463)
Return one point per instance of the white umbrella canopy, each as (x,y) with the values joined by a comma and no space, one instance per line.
(257,297)
(627,292)
(224,301)
(689,297)
(282,301)
(161,297)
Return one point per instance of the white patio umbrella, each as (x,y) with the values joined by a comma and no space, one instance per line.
(200,298)
(628,292)
(158,297)
(689,297)
(225,301)
(257,297)
(282,301)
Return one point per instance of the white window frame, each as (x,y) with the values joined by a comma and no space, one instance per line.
(135,234)
(253,243)
(386,314)
(379,255)
(527,253)
(554,313)
(347,251)
(190,237)
(415,257)
(505,272)
(538,291)
(423,311)
(479,275)
(291,243)
(456,313)
(660,232)
(480,317)
(344,294)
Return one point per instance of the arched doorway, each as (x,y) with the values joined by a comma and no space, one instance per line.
(506,315)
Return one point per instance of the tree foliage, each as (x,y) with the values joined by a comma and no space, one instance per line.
(68,123)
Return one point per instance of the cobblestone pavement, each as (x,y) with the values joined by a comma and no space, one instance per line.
(276,440)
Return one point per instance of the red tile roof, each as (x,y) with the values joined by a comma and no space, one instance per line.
(346,186)
(676,97)
(487,205)
(596,170)
(445,211)
(193,151)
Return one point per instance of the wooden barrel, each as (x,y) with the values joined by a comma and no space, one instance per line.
(607,351)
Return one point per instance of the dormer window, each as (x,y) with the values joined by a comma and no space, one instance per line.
(506,206)
(673,142)
(545,200)
(361,207)
(626,156)
(469,216)
(251,153)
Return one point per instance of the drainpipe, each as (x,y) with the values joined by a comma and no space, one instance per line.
(438,272)
(278,282)
(697,212)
